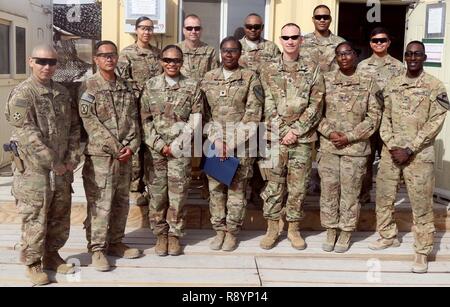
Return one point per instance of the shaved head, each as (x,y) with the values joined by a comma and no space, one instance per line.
(44,48)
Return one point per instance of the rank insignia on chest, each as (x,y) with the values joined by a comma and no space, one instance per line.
(17,116)
(223,94)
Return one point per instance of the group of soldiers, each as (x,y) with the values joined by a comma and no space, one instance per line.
(316,102)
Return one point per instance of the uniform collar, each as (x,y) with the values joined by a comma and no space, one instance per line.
(200,49)
(106,85)
(340,78)
(259,46)
(44,89)
(325,41)
(143,51)
(374,60)
(299,67)
(237,75)
(417,82)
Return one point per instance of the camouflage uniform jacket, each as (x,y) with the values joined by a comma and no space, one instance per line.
(414,114)
(110,116)
(237,100)
(294,98)
(45,124)
(198,61)
(164,106)
(353,107)
(321,51)
(383,70)
(139,65)
(252,58)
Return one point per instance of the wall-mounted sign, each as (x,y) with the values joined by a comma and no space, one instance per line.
(153,9)
(435,23)
(435,51)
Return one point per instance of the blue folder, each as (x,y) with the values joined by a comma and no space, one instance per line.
(222,171)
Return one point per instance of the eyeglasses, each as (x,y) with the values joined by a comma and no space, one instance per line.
(230,50)
(417,54)
(190,29)
(379,40)
(254,27)
(293,37)
(45,61)
(345,53)
(111,55)
(146,28)
(320,17)
(176,61)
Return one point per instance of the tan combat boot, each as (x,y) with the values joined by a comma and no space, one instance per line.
(328,245)
(383,243)
(295,237)
(343,242)
(230,243)
(420,264)
(271,237)
(217,241)
(161,245)
(123,251)
(100,262)
(174,248)
(52,261)
(37,276)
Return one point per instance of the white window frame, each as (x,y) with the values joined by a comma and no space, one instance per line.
(224,19)
(15,21)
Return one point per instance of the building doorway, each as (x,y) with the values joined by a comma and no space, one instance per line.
(354,26)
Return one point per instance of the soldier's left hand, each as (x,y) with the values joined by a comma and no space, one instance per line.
(126,154)
(400,156)
(289,139)
(341,142)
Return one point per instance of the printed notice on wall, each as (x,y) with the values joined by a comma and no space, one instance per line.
(435,20)
(143,7)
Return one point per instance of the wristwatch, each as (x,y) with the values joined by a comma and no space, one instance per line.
(409,151)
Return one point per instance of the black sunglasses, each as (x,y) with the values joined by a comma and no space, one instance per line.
(417,54)
(45,61)
(172,60)
(320,17)
(197,29)
(253,27)
(293,37)
(379,40)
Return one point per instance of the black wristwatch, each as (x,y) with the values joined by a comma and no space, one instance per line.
(409,151)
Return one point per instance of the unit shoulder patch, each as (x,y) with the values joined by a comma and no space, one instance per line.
(442,99)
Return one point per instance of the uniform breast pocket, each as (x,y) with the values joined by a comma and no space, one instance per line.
(360,104)
(156,108)
(238,93)
(182,108)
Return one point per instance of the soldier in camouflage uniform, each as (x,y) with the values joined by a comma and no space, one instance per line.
(199,58)
(383,68)
(139,63)
(352,115)
(167,101)
(320,45)
(294,92)
(46,130)
(234,96)
(319,48)
(108,109)
(416,105)
(255,49)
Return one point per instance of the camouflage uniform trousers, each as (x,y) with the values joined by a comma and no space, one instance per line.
(168,187)
(341,180)
(139,171)
(289,178)
(376,145)
(227,205)
(106,183)
(45,214)
(419,179)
